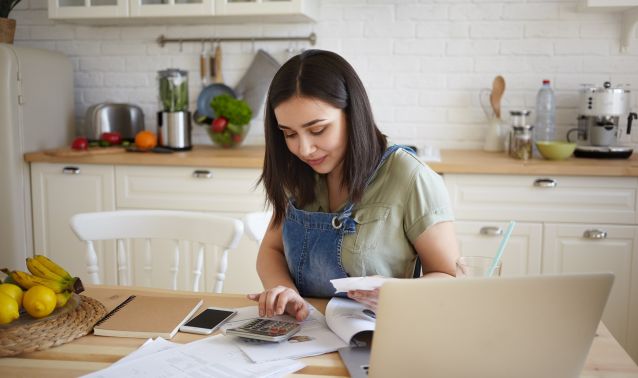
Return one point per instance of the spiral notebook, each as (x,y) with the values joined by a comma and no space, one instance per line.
(144,316)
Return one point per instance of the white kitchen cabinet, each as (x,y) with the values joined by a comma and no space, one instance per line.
(629,18)
(522,254)
(583,248)
(60,191)
(566,208)
(88,9)
(193,10)
(224,191)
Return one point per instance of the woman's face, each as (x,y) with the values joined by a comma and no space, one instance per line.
(315,132)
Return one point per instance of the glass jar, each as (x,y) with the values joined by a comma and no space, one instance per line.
(519,117)
(521,142)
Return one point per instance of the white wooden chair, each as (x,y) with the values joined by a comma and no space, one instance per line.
(198,229)
(256,224)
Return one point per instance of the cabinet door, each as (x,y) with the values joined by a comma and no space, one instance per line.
(579,248)
(522,253)
(59,192)
(87,9)
(172,8)
(305,9)
(223,191)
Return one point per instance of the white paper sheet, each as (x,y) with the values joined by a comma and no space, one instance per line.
(313,339)
(343,285)
(149,347)
(215,356)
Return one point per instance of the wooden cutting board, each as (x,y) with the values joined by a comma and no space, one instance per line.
(62,152)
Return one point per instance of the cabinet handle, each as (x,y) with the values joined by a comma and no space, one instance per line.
(203,173)
(595,234)
(71,170)
(491,231)
(545,183)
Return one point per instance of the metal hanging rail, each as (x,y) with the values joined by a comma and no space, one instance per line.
(162,40)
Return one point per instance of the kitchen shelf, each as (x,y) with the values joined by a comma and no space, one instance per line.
(629,17)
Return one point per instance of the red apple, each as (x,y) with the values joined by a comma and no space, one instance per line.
(219,124)
(80,143)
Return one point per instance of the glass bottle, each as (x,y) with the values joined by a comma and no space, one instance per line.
(521,142)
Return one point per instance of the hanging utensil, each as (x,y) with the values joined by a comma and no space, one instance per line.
(213,90)
(203,61)
(498,88)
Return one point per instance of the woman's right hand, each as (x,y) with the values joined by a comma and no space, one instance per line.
(281,299)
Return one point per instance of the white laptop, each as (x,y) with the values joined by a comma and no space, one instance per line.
(532,326)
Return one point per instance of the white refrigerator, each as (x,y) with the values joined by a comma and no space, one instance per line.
(36,113)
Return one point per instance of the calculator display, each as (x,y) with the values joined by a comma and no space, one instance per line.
(266,329)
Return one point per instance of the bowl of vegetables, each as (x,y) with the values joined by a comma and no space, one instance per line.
(232,121)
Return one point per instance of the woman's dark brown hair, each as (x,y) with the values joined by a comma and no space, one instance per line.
(326,76)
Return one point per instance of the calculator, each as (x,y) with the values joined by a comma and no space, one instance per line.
(266,329)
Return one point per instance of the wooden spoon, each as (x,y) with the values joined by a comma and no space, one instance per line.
(498,87)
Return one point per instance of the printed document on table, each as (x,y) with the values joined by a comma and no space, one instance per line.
(215,356)
(348,319)
(313,338)
(150,346)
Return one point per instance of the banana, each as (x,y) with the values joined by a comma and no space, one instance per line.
(62,298)
(52,266)
(26,281)
(38,269)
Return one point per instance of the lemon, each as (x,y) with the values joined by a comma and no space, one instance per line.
(14,291)
(8,309)
(39,301)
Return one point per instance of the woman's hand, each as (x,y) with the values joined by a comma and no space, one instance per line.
(281,299)
(370,298)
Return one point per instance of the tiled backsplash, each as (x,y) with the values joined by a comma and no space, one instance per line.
(423,62)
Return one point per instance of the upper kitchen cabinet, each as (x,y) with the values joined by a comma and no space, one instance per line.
(177,10)
(88,9)
(629,9)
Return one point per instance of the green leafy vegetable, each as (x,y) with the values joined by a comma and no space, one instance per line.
(236,111)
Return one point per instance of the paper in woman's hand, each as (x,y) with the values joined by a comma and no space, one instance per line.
(343,285)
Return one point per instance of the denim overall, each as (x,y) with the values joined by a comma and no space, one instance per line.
(312,243)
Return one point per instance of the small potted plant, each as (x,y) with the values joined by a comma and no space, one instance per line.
(7,25)
(230,126)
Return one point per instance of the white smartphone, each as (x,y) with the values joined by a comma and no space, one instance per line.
(208,320)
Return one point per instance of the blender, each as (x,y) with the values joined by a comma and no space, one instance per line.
(174,120)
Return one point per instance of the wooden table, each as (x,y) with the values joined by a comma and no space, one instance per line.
(89,353)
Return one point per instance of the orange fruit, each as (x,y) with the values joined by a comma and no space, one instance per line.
(145,140)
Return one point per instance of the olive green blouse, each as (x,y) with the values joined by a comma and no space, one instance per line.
(404,198)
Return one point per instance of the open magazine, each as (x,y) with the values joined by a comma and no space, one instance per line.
(345,322)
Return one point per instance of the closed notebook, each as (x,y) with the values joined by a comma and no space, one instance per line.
(147,316)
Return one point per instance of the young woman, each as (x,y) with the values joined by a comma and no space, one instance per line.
(344,203)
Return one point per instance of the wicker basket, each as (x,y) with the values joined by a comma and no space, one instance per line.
(7,30)
(57,330)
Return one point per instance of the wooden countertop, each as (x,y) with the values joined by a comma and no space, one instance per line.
(453,161)
(90,353)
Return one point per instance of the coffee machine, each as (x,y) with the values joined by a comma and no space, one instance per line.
(174,120)
(601,114)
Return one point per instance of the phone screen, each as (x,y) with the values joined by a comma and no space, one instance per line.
(209,318)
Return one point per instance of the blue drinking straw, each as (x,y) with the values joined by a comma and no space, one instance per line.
(501,248)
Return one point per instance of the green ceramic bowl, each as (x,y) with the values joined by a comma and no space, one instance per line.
(555,150)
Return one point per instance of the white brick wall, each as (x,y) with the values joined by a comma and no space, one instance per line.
(423,62)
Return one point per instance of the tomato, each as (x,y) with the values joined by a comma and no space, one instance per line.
(237,138)
(219,124)
(113,137)
(80,143)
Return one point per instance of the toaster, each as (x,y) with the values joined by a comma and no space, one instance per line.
(128,119)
